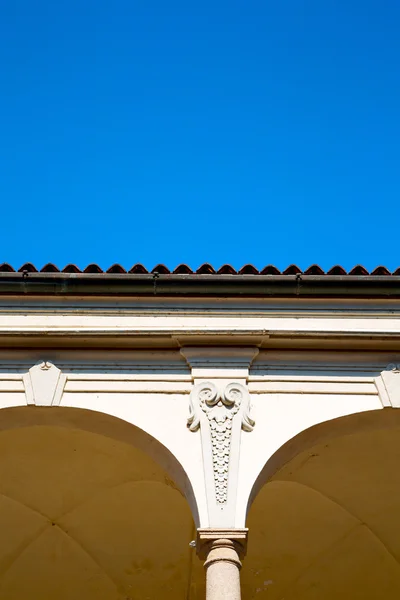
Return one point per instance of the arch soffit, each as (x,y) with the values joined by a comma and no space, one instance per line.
(18,417)
(363,422)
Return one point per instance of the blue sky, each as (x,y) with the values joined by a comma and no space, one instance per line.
(220,131)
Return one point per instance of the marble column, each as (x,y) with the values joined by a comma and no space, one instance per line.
(222,550)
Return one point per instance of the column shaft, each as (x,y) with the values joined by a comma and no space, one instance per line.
(223,570)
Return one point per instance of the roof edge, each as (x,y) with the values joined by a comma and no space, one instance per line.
(216,285)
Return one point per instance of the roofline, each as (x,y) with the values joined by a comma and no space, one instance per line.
(196,285)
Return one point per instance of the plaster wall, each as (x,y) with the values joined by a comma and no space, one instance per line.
(289,392)
(145,360)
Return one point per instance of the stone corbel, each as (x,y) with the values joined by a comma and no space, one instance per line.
(44,384)
(220,409)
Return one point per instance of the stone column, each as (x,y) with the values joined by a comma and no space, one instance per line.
(222,550)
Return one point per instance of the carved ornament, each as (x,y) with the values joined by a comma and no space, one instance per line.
(220,408)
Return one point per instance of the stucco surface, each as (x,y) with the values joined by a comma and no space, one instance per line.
(111,455)
(326,525)
(84,516)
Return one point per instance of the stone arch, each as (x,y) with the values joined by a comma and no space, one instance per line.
(108,426)
(91,504)
(323,513)
(385,419)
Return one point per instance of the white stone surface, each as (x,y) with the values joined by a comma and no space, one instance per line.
(139,359)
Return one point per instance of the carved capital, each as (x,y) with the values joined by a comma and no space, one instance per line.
(228,545)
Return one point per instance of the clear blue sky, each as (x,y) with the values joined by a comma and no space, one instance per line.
(222,131)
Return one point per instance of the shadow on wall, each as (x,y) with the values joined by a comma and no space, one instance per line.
(324,521)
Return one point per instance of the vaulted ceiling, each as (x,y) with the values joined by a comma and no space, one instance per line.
(328,523)
(85,516)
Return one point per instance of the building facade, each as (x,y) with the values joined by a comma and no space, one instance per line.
(153,424)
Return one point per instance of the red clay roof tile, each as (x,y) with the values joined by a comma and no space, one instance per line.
(292,270)
(93,268)
(161,270)
(183,270)
(380,271)
(337,270)
(49,268)
(226,270)
(204,269)
(358,270)
(138,269)
(116,269)
(71,269)
(314,270)
(29,267)
(270,270)
(248,270)
(6,268)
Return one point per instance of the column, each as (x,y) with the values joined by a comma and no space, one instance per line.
(222,550)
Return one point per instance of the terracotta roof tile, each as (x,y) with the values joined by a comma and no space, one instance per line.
(292,270)
(314,270)
(248,270)
(380,271)
(161,270)
(226,270)
(71,269)
(270,270)
(337,270)
(49,268)
(29,267)
(116,269)
(204,269)
(183,270)
(358,270)
(93,268)
(138,269)
(6,268)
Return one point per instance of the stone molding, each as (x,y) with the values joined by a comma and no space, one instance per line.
(219,362)
(389,385)
(229,538)
(44,384)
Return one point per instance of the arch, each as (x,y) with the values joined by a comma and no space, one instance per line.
(325,513)
(362,422)
(18,417)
